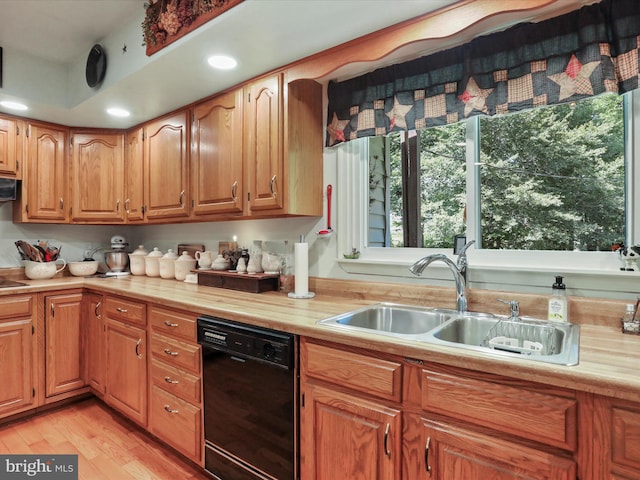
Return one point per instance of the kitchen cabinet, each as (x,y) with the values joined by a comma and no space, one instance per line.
(95,346)
(216,159)
(10,146)
(447,451)
(126,357)
(175,409)
(166,167)
(64,353)
(350,420)
(17,354)
(283,146)
(616,439)
(44,193)
(97,175)
(134,176)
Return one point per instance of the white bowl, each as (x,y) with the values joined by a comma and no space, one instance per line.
(83,269)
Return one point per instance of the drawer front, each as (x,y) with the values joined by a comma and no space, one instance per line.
(374,376)
(176,353)
(537,416)
(176,422)
(17,307)
(126,311)
(176,324)
(176,381)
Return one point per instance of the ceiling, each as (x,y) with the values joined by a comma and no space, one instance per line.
(46,44)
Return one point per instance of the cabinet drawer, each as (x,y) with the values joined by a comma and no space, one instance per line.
(176,422)
(176,381)
(15,307)
(175,352)
(173,323)
(374,376)
(126,310)
(534,415)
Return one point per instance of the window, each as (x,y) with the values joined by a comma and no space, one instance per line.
(550,178)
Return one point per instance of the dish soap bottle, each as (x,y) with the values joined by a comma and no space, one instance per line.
(558,305)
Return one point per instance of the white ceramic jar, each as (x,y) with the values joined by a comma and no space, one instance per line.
(42,270)
(136,261)
(167,264)
(183,266)
(152,263)
(220,263)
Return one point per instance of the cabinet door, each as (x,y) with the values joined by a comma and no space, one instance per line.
(264,143)
(343,436)
(97,166)
(444,452)
(166,167)
(216,159)
(126,382)
(8,146)
(63,344)
(95,347)
(134,176)
(45,176)
(17,344)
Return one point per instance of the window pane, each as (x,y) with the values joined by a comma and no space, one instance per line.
(440,206)
(553,178)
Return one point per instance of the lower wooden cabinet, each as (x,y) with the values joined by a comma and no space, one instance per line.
(345,436)
(95,346)
(64,357)
(439,450)
(17,353)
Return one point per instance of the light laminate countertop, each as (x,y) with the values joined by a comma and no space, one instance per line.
(609,360)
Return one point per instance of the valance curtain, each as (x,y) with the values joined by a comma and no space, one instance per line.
(583,53)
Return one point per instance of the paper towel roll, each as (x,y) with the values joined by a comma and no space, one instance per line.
(301,269)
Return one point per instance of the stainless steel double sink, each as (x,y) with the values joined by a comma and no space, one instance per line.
(533,339)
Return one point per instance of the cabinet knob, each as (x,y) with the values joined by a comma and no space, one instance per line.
(170,353)
(170,380)
(169,409)
(169,324)
(122,310)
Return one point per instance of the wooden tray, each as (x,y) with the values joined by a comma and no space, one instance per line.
(245,282)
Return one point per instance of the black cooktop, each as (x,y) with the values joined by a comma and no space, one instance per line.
(5,282)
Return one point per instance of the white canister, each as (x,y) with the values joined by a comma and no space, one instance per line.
(136,261)
(152,264)
(167,264)
(183,266)
(220,263)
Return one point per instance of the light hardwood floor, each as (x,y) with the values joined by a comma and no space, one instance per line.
(108,446)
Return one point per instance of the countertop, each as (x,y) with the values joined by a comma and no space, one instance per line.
(609,360)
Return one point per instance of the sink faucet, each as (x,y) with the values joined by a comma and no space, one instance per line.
(458,269)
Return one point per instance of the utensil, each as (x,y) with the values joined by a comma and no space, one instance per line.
(328,231)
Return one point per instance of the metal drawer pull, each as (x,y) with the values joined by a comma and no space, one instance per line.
(126,206)
(387,452)
(234,191)
(169,324)
(96,311)
(182,199)
(271,186)
(138,354)
(426,456)
(122,310)
(169,352)
(168,409)
(170,380)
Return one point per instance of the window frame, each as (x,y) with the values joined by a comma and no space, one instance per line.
(587,273)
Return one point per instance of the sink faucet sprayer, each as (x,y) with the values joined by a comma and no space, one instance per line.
(458,269)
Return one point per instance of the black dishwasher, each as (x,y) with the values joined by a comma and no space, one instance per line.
(250,382)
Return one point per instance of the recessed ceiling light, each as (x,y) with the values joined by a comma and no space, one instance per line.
(13,105)
(118,112)
(222,62)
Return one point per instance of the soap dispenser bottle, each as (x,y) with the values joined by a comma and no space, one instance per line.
(558,305)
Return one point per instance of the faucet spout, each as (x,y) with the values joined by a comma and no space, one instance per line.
(461,284)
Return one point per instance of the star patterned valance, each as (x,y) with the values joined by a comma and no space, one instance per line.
(583,53)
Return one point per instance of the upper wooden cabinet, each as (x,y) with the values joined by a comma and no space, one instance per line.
(44,194)
(9,146)
(134,176)
(283,146)
(216,157)
(166,167)
(97,176)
